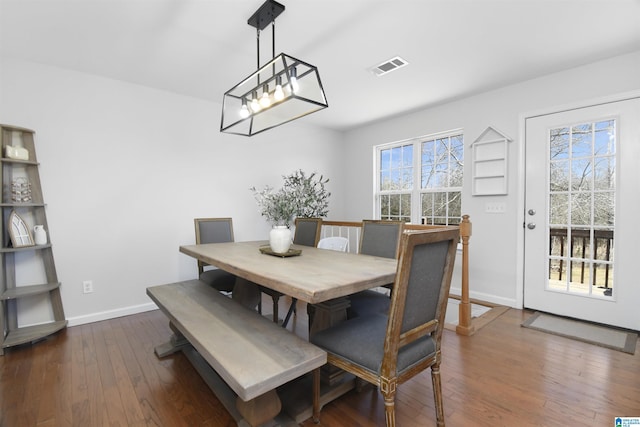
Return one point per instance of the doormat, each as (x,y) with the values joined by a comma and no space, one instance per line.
(603,336)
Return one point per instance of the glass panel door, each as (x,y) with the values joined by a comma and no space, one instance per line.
(581,204)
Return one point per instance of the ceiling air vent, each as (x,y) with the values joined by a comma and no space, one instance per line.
(389,66)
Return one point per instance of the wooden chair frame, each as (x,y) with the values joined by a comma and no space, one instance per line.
(387,379)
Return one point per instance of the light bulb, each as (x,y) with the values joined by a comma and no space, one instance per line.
(265,101)
(244,110)
(293,79)
(255,105)
(278,94)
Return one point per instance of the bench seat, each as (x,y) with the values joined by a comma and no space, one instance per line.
(250,353)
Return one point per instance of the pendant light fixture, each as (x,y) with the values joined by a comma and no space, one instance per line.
(282,90)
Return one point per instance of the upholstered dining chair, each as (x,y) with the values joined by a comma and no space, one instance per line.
(378,238)
(387,350)
(307,233)
(220,230)
(215,230)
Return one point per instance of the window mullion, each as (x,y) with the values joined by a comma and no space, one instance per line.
(416,202)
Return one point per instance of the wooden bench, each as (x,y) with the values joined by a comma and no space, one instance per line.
(250,354)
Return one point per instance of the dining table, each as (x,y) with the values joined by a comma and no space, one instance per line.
(309,274)
(322,278)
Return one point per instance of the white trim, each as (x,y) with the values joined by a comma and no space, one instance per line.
(111,314)
(522,119)
(491,298)
(416,192)
(412,140)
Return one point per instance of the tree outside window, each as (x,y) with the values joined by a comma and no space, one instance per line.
(436,163)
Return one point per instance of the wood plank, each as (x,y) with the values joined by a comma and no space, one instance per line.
(79,396)
(123,380)
(257,355)
(60,368)
(174,388)
(305,277)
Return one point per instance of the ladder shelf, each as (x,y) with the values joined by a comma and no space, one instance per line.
(22,208)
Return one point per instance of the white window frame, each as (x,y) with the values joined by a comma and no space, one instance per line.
(416,191)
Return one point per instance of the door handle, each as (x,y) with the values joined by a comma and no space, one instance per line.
(531,225)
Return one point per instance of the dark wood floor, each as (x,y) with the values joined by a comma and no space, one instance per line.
(105,374)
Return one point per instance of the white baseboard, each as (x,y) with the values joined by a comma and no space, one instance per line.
(111,314)
(135,309)
(508,302)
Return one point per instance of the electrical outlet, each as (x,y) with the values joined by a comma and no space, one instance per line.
(87,286)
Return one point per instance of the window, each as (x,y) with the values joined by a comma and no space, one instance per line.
(420,181)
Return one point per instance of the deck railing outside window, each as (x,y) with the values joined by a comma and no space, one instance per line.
(577,253)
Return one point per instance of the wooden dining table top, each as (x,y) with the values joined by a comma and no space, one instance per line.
(314,276)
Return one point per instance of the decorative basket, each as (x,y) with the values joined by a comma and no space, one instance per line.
(21,190)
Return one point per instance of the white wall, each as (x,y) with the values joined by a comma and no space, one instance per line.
(126,168)
(494,247)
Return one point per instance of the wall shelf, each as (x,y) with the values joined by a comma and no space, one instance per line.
(489,153)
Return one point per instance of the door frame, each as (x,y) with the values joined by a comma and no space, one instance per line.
(522,120)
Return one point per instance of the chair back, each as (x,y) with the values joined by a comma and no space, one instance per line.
(307,231)
(334,243)
(380,238)
(421,291)
(212,230)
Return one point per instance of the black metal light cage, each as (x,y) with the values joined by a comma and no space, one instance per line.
(292,87)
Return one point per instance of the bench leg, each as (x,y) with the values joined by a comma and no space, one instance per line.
(261,409)
(175,343)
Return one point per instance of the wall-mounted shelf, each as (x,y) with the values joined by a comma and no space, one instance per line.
(489,153)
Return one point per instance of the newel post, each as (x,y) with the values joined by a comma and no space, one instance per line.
(464,314)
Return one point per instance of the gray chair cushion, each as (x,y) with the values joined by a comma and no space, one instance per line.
(215,231)
(368,302)
(380,238)
(361,340)
(306,232)
(219,279)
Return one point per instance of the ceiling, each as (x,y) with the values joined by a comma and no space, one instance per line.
(201,48)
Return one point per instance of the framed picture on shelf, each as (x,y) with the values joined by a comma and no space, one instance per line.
(19,232)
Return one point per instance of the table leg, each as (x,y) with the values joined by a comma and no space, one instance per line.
(327,314)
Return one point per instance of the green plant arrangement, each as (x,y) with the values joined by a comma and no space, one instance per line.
(300,196)
(276,206)
(309,194)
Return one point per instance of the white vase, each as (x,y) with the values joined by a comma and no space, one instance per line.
(40,235)
(280,239)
